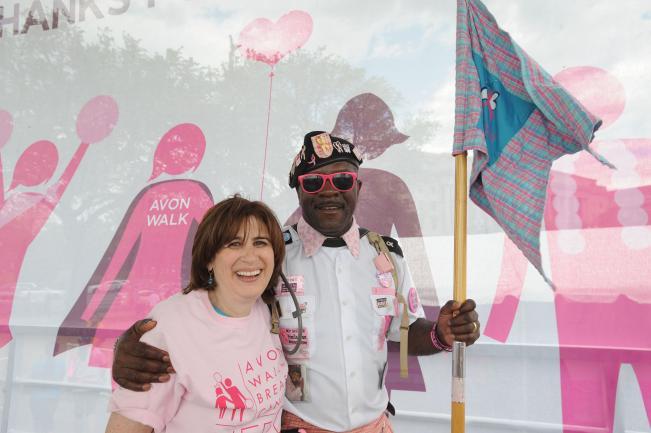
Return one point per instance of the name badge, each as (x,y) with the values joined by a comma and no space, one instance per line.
(385,279)
(287,307)
(296,283)
(383,301)
(289,337)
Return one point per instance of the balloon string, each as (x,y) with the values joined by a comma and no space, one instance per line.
(266,138)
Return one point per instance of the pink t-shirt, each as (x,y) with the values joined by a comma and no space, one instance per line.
(230,372)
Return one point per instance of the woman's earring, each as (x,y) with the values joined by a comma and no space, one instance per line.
(211,278)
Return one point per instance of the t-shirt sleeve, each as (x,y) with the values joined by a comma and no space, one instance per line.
(409,292)
(157,406)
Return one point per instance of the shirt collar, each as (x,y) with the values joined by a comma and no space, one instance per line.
(313,240)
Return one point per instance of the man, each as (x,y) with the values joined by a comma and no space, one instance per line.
(347,291)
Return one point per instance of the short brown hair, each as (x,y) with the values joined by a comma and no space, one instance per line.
(220,225)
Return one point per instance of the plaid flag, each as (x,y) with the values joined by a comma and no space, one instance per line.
(517,119)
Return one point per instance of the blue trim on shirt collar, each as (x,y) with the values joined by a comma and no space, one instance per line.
(220,312)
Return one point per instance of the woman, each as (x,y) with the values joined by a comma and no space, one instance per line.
(230,369)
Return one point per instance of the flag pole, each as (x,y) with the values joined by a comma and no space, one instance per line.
(458,418)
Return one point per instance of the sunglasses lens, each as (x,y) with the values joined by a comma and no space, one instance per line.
(343,181)
(312,183)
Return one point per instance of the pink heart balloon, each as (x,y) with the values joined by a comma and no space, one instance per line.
(266,42)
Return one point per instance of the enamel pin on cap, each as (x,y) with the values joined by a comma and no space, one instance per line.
(322,145)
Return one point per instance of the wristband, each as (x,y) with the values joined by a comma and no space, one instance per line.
(438,344)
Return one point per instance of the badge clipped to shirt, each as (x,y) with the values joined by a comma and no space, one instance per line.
(287,307)
(289,337)
(383,300)
(295,281)
(297,384)
(385,279)
(383,263)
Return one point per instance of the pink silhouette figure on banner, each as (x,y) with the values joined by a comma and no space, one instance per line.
(386,202)
(23,214)
(148,258)
(6,128)
(597,225)
(266,42)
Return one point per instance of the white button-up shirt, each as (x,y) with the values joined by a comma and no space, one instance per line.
(347,311)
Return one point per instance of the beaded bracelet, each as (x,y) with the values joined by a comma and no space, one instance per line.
(438,344)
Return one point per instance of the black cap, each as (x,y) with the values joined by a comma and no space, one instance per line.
(319,149)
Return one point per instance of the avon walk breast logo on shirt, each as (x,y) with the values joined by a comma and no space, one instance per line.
(252,397)
(265,377)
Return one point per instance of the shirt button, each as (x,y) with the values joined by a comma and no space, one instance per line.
(348,337)
(344,303)
(352,374)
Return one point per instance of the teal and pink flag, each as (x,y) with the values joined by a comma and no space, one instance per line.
(518,120)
